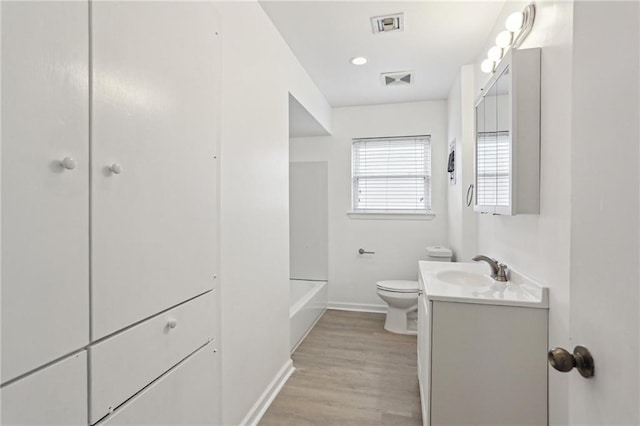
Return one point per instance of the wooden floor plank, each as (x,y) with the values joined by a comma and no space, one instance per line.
(350,371)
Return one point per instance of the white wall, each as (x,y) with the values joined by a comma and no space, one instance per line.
(398,244)
(538,245)
(259,72)
(308,220)
(454,191)
(462,219)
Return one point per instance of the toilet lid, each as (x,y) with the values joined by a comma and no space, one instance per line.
(399,286)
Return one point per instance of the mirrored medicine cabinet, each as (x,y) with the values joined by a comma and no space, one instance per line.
(507,146)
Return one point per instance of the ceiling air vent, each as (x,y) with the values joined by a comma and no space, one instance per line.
(388,23)
(397,78)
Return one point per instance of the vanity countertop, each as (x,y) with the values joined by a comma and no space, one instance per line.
(518,291)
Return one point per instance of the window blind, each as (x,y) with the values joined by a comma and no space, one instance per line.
(493,164)
(391,175)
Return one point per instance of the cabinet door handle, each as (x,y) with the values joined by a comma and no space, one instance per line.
(469,195)
(172,323)
(68,163)
(116,168)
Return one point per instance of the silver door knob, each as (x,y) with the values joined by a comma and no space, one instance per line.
(563,361)
(116,168)
(68,163)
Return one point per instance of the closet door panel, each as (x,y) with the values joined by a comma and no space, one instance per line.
(45,204)
(154,173)
(56,395)
(186,395)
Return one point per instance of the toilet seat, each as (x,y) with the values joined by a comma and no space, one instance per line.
(398,286)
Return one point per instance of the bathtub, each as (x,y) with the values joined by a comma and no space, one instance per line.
(308,301)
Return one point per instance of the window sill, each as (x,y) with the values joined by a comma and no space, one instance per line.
(391,216)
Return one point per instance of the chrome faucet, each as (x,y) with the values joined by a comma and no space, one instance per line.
(498,270)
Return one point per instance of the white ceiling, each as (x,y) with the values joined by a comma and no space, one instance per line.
(439,37)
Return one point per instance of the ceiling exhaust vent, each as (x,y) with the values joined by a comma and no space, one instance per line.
(388,23)
(402,78)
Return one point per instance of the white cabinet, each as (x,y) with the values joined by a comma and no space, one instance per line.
(108,218)
(486,364)
(155,107)
(56,395)
(168,339)
(424,351)
(186,395)
(45,206)
(507,149)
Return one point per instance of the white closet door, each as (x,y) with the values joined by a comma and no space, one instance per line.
(155,120)
(45,205)
(56,395)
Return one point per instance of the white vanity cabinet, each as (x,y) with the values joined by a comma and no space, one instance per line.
(481,361)
(424,350)
(507,148)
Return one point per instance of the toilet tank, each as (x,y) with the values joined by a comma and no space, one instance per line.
(439,254)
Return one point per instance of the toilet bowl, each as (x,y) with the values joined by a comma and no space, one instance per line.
(402,299)
(402,296)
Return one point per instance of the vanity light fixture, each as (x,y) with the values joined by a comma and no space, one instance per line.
(514,22)
(518,26)
(495,53)
(359,60)
(487,66)
(503,40)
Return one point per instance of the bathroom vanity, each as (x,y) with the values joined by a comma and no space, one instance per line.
(482,347)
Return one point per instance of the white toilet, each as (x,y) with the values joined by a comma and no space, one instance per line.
(402,296)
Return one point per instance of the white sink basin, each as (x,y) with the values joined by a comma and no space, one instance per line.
(464,278)
(470,283)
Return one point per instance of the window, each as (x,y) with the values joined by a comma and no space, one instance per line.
(492,162)
(391,175)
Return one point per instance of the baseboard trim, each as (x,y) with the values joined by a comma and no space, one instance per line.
(358,307)
(264,402)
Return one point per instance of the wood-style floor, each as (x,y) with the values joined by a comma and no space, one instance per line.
(350,371)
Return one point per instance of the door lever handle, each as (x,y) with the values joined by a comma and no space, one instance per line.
(362,251)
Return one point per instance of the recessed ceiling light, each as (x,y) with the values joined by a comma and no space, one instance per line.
(360,60)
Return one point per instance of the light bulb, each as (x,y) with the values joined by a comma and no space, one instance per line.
(514,21)
(359,60)
(503,39)
(495,53)
(487,66)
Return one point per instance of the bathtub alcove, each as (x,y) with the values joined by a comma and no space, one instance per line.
(308,224)
(308,301)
